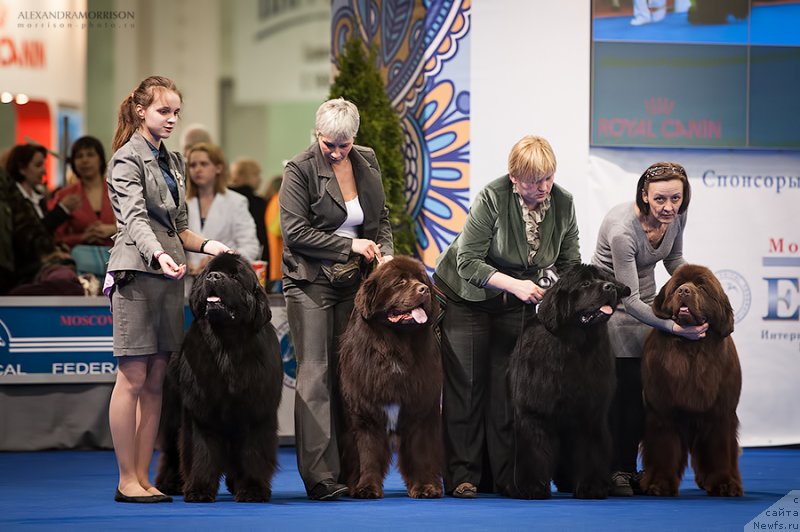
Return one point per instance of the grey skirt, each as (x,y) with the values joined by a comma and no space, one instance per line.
(148,315)
(627,334)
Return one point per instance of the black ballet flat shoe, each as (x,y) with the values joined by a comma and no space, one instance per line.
(141,499)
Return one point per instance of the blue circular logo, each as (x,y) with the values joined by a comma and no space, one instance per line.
(287,354)
(738,292)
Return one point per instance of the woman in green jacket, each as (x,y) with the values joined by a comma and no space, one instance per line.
(520,229)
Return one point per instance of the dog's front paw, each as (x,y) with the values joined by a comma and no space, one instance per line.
(591,489)
(660,488)
(169,484)
(425,491)
(367,491)
(537,490)
(253,495)
(199,496)
(728,488)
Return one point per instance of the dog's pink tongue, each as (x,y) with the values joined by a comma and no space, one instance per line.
(606,309)
(419,315)
(212,299)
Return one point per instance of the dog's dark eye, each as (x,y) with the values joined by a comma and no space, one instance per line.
(586,284)
(402,282)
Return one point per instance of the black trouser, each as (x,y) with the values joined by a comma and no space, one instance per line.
(626,417)
(476,408)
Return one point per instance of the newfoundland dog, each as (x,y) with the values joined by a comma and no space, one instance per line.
(391,381)
(220,415)
(691,390)
(561,377)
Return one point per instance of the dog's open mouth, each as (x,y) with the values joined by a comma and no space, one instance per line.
(216,310)
(417,315)
(603,312)
(685,316)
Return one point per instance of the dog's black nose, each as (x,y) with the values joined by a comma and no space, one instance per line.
(684,291)
(214,276)
(609,287)
(422,289)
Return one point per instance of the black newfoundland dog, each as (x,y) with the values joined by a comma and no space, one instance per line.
(391,380)
(561,377)
(220,412)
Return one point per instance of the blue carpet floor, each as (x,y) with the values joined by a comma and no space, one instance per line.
(72,490)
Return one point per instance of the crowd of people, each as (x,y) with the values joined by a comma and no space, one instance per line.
(150,218)
(57,242)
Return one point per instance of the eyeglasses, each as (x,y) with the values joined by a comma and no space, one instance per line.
(658,171)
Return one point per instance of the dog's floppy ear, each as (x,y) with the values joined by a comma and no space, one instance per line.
(197,296)
(364,302)
(660,309)
(551,310)
(720,312)
(263,314)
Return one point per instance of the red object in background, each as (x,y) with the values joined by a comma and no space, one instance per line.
(34,125)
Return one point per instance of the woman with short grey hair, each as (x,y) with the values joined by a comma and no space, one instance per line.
(334,222)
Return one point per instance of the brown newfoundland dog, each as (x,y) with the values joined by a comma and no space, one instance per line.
(220,409)
(391,381)
(561,377)
(691,390)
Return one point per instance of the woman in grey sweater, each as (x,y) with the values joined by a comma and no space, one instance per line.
(634,238)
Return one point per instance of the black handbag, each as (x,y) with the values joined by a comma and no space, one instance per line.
(343,274)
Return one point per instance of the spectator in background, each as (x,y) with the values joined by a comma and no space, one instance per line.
(272,221)
(194,134)
(246,179)
(90,226)
(28,241)
(214,210)
(25,165)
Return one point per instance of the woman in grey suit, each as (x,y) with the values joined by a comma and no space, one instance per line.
(146,268)
(332,209)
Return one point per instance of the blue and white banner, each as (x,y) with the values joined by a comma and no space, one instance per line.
(743,224)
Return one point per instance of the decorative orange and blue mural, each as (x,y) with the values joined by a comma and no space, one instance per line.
(423,57)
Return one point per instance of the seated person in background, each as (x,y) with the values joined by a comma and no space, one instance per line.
(25,165)
(90,226)
(214,211)
(246,179)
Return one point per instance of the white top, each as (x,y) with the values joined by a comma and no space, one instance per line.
(229,221)
(34,197)
(355,218)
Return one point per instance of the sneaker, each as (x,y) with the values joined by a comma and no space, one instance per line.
(621,484)
(659,14)
(640,21)
(465,490)
(327,490)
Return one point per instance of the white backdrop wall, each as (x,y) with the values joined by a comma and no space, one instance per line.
(531,74)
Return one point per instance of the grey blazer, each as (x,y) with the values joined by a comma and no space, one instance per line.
(312,208)
(147,218)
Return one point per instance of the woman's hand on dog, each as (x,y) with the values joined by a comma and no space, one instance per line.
(215,247)
(692,332)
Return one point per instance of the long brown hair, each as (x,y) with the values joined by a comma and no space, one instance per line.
(217,158)
(128,121)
